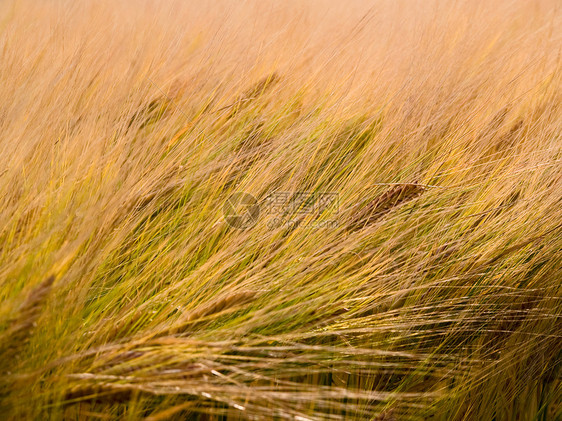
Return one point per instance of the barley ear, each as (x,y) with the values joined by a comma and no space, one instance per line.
(22,325)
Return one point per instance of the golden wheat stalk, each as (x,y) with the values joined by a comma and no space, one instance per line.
(220,304)
(395,196)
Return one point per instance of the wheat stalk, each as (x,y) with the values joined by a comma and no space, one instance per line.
(395,196)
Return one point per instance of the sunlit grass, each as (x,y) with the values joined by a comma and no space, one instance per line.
(435,294)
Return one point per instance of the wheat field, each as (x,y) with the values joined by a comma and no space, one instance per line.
(286,210)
